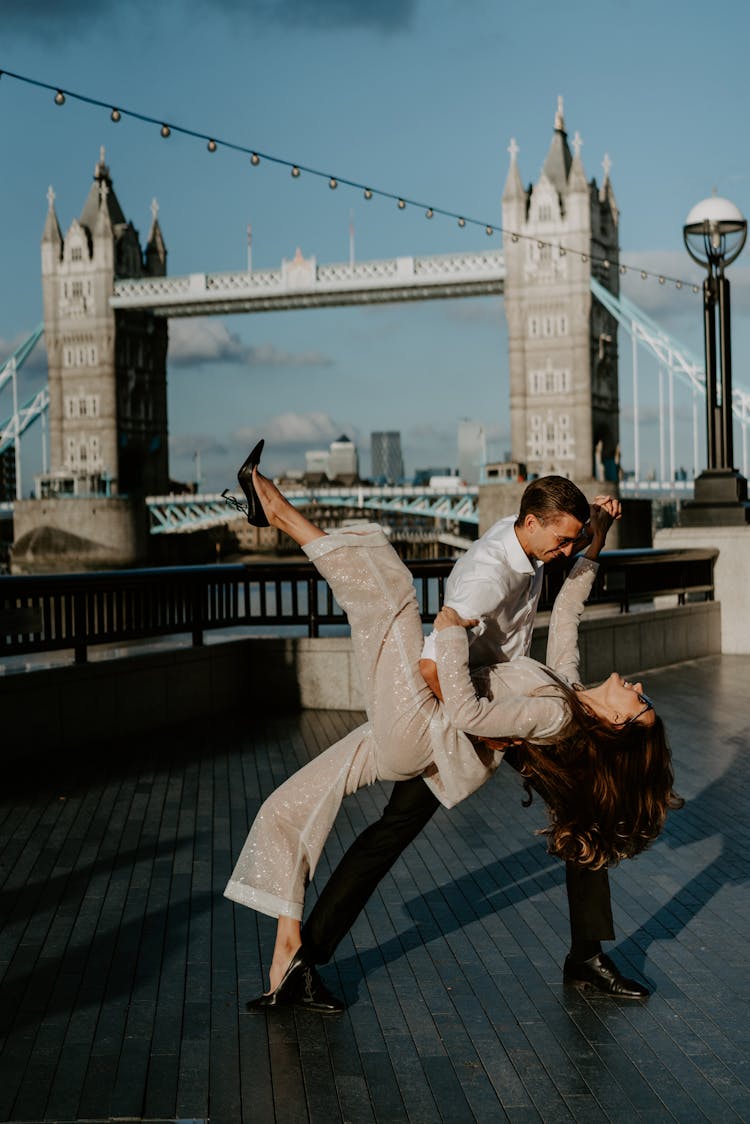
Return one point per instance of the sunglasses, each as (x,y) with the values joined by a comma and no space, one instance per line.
(647,705)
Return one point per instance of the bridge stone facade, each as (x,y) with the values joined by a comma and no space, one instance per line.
(108,394)
(564,401)
(107,368)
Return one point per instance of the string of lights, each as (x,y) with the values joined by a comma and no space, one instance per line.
(213,143)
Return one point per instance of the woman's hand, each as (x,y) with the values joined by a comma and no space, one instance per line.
(604,511)
(449,618)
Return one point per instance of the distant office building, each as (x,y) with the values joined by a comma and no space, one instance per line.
(343,461)
(387,459)
(472,450)
(316,462)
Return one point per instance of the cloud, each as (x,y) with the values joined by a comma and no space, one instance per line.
(668,301)
(52,21)
(379,15)
(648,413)
(294,431)
(188,444)
(206,340)
(482,310)
(35,364)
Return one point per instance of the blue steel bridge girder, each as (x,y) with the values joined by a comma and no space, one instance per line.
(172,515)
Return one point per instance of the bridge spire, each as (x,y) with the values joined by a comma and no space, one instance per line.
(52,239)
(156,250)
(606,191)
(557,164)
(559,115)
(513,189)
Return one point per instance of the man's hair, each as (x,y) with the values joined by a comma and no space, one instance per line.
(553,495)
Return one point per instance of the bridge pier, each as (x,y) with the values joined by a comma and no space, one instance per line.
(76,533)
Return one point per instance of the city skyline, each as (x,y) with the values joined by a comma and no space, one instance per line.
(301,379)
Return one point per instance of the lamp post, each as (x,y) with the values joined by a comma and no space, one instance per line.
(715,233)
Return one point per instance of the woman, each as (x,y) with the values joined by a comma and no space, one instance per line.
(600,753)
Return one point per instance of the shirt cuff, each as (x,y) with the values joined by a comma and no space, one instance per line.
(429,648)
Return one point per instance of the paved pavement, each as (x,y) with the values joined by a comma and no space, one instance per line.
(123,970)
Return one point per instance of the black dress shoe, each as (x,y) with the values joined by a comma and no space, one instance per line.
(300,986)
(315,996)
(599,972)
(255,514)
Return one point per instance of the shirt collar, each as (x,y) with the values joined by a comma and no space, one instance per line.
(517,556)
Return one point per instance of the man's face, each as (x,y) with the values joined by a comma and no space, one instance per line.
(555,536)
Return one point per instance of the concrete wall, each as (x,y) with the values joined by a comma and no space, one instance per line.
(731,576)
(68,707)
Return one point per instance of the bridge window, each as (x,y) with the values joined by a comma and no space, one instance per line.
(550,380)
(76,254)
(81,406)
(80,356)
(549,439)
(76,289)
(533,327)
(562,325)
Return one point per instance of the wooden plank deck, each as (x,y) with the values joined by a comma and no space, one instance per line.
(124,970)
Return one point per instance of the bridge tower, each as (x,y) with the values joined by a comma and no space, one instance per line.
(108,394)
(107,369)
(564,400)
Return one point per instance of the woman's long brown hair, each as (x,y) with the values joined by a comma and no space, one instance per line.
(608,788)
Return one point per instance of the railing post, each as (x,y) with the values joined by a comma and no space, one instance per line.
(312,606)
(79,626)
(197,612)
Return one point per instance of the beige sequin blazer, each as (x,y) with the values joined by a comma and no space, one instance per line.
(500,700)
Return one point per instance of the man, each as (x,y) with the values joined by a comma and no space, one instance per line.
(498,581)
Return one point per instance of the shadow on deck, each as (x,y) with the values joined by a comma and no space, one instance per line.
(125,970)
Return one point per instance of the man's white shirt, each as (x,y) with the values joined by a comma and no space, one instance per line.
(496,582)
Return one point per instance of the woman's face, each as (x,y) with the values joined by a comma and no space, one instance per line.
(621,702)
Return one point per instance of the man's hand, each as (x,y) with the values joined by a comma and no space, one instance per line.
(449,618)
(486,747)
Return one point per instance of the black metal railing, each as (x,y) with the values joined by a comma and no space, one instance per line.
(74,611)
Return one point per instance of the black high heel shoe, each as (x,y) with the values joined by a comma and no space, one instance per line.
(255,515)
(301,986)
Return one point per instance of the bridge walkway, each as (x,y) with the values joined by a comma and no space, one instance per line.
(124,970)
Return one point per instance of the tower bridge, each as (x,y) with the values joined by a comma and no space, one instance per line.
(302,283)
(107,301)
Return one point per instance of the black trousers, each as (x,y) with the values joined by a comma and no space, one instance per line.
(374,852)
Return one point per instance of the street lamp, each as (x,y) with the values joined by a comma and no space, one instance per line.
(715,233)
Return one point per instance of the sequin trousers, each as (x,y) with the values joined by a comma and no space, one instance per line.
(287,837)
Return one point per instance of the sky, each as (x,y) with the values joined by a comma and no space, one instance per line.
(417,97)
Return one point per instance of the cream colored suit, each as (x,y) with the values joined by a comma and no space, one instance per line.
(409,732)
